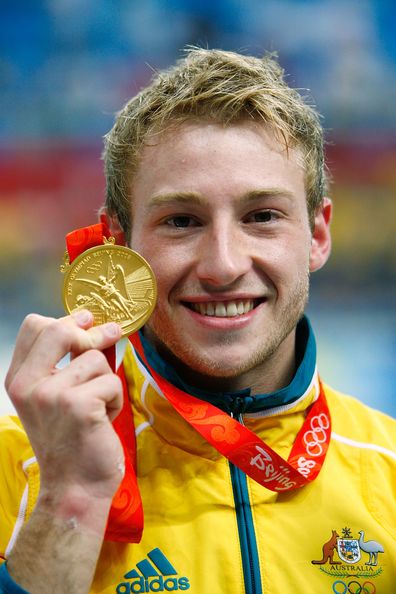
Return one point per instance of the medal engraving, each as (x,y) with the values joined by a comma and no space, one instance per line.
(113,282)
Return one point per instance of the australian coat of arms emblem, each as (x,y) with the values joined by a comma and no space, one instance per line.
(350,554)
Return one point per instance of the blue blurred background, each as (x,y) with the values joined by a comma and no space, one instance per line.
(66,66)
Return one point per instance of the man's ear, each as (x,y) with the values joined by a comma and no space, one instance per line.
(113,224)
(321,238)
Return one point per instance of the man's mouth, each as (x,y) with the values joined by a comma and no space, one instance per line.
(224,309)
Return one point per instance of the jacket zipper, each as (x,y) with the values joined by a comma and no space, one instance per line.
(247,536)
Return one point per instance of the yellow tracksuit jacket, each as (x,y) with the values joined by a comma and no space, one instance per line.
(211,530)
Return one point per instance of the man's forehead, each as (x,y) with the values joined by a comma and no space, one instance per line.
(244,158)
(195,135)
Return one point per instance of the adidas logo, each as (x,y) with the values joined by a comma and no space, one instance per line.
(157,576)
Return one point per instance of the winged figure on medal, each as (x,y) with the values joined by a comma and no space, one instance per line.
(115,296)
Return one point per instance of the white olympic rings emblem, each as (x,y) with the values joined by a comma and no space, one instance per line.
(314,437)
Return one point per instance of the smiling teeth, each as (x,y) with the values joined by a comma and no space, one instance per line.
(221,309)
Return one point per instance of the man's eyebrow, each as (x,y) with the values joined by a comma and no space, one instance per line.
(180,197)
(268,193)
(194,198)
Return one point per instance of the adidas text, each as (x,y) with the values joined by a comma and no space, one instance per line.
(156,584)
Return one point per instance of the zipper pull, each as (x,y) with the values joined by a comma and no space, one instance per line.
(237,408)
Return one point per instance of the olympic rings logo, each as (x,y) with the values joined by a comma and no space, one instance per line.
(353,587)
(314,437)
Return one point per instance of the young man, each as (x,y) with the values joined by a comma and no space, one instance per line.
(215,175)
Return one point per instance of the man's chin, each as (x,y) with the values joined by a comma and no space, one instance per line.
(218,371)
(196,368)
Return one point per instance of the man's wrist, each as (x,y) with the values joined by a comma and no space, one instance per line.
(58,547)
(73,508)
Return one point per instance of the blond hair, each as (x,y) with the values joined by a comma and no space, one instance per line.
(221,86)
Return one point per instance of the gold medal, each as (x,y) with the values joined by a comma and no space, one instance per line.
(113,282)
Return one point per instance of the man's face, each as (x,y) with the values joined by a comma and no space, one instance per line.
(220,214)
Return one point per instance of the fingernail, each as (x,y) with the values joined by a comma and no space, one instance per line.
(82,317)
(112,330)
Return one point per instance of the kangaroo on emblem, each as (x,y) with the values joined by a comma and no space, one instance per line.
(328,551)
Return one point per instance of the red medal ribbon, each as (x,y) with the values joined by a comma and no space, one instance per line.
(125,521)
(243,447)
(80,240)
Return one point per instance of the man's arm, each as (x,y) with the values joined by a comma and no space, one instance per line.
(55,555)
(67,415)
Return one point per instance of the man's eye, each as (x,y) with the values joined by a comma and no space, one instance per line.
(181,222)
(261,216)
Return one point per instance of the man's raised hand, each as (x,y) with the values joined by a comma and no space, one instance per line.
(67,413)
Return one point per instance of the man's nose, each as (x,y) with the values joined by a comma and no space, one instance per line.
(223,256)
